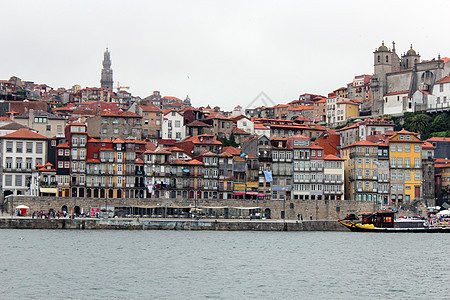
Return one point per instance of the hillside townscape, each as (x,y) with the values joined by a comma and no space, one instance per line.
(379,139)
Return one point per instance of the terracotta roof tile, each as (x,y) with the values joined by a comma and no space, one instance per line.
(24,134)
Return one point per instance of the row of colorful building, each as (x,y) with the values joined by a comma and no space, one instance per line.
(399,169)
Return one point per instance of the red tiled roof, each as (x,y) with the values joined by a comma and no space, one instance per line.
(427,145)
(332,157)
(347,102)
(239,131)
(216,115)
(63,146)
(361,143)
(439,139)
(444,80)
(396,93)
(260,127)
(117,141)
(197,123)
(93,160)
(231,150)
(150,108)
(25,134)
(196,139)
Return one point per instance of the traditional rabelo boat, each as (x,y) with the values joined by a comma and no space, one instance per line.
(383,221)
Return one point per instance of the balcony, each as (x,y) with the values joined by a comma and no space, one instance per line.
(265,159)
(48,184)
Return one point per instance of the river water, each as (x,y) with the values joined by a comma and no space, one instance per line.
(64,264)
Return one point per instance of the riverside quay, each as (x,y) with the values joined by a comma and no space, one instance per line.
(186,208)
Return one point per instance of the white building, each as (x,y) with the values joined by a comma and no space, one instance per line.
(20,152)
(173,126)
(333,172)
(440,98)
(244,123)
(394,103)
(260,129)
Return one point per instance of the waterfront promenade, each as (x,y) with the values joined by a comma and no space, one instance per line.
(9,222)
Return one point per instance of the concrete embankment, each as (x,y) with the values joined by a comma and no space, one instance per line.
(167,224)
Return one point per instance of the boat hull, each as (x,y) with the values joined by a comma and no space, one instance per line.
(361,228)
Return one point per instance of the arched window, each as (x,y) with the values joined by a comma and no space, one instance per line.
(407,63)
(379,59)
(387,58)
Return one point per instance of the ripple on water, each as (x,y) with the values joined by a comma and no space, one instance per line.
(228,265)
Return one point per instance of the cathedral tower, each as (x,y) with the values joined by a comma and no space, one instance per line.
(107,74)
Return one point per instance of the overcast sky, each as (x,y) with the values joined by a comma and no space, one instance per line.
(218,52)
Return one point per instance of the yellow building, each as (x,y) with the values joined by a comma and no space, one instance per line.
(346,110)
(405,152)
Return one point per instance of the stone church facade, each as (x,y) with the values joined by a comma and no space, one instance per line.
(106,80)
(396,79)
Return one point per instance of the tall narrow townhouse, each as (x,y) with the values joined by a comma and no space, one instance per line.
(282,169)
(383,174)
(76,134)
(301,146)
(317,172)
(333,178)
(405,152)
(361,171)
(210,175)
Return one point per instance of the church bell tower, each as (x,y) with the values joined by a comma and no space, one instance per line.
(106,80)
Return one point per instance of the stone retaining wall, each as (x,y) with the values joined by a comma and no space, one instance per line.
(134,224)
(319,210)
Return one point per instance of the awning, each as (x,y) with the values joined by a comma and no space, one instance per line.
(238,194)
(22,207)
(262,195)
(252,193)
(48,190)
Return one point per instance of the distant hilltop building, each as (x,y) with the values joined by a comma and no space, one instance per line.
(402,84)
(107,74)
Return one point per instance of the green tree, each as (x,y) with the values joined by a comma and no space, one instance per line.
(420,123)
(232,140)
(439,124)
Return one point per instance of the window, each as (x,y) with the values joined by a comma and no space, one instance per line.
(407,148)
(8,180)
(67,152)
(48,127)
(18,180)
(29,163)
(60,164)
(407,176)
(61,152)
(19,146)
(59,128)
(66,164)
(393,162)
(39,148)
(9,147)
(104,130)
(417,148)
(407,162)
(417,176)
(399,148)
(116,130)
(417,162)
(177,124)
(393,147)
(18,163)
